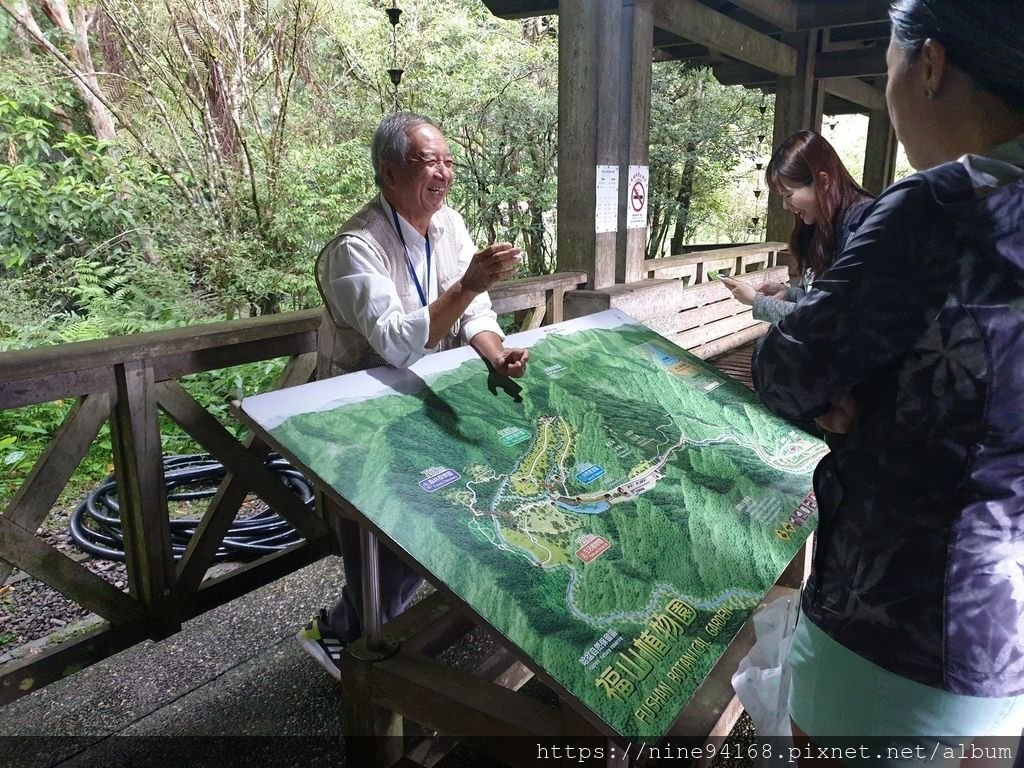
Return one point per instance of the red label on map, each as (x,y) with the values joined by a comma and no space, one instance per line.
(592,548)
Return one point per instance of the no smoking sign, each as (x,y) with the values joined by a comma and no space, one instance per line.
(636,211)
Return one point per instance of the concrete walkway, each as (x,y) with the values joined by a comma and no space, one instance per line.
(235,673)
(233,688)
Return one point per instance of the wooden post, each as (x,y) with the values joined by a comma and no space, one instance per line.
(589,126)
(637,57)
(373,735)
(798,105)
(139,469)
(880,153)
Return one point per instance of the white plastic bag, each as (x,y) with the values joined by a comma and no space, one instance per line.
(762,679)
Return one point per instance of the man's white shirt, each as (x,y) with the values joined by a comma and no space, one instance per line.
(368,301)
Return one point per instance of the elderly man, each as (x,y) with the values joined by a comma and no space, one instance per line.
(401,280)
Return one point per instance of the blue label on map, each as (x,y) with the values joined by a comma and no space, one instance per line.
(661,356)
(588,473)
(439,480)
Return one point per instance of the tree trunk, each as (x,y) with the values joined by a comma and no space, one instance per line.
(683,197)
(86,82)
(533,241)
(655,232)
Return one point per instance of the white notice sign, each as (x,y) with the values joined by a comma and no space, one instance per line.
(636,201)
(606,213)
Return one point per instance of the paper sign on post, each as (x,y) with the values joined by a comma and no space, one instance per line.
(606,213)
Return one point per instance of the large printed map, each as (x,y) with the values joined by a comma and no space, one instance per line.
(617,513)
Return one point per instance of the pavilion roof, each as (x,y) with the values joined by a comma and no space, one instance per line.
(752,42)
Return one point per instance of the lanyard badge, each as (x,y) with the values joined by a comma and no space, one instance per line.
(421,289)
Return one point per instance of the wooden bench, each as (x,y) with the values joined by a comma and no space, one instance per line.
(679,301)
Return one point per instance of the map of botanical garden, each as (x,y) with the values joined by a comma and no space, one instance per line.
(617,518)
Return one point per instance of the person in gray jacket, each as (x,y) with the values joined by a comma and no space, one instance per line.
(827,206)
(911,632)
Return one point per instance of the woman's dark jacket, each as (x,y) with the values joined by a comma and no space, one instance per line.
(920,558)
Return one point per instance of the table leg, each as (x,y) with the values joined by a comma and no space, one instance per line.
(372,632)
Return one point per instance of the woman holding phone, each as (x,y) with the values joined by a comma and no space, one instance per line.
(827,206)
(911,343)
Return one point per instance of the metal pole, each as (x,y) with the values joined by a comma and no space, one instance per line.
(371,592)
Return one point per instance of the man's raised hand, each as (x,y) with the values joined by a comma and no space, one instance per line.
(494,263)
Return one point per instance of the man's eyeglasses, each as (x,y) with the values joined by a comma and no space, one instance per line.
(434,163)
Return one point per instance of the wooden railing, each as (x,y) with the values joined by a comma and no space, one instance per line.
(128,380)
(693,267)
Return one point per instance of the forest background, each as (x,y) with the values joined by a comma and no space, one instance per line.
(173,162)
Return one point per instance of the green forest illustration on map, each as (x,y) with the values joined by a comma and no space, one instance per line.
(619,522)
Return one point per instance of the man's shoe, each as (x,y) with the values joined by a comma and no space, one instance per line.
(319,642)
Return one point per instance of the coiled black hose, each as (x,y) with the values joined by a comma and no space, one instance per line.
(95,525)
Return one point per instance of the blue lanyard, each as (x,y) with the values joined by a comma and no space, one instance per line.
(408,261)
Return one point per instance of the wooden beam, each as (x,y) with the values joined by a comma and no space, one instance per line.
(696,257)
(450,700)
(142,495)
(201,425)
(635,140)
(870,61)
(879,152)
(521,9)
(50,385)
(32,672)
(51,472)
(781,13)
(224,506)
(590,125)
(51,566)
(517,302)
(216,521)
(738,73)
(696,22)
(844,38)
(856,91)
(834,105)
(246,578)
(838,13)
(676,49)
(61,359)
(183,363)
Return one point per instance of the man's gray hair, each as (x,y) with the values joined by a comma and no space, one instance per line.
(391,140)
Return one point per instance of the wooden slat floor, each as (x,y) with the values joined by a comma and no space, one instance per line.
(736,363)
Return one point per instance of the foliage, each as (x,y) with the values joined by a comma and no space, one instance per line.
(701,134)
(61,194)
(492,85)
(242,133)
(501,118)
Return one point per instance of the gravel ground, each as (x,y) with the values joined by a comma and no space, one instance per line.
(33,614)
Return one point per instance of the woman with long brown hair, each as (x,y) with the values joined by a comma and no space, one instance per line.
(827,206)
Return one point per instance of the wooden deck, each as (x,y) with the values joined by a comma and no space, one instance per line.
(736,363)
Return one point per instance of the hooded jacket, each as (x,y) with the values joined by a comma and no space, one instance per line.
(920,559)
